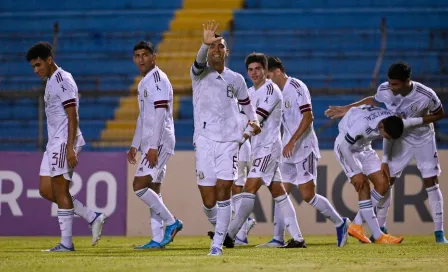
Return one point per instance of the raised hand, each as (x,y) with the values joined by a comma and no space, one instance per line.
(209,32)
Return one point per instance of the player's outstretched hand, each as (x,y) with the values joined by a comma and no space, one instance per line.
(72,158)
(256,128)
(287,150)
(152,157)
(132,153)
(209,32)
(335,112)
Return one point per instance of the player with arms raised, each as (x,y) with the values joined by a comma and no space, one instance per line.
(154,135)
(300,152)
(217,91)
(65,141)
(421,106)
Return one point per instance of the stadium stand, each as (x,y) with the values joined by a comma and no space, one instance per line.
(328,44)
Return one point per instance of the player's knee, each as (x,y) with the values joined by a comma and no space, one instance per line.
(307,195)
(277,189)
(45,193)
(140,183)
(223,190)
(382,188)
(430,182)
(364,192)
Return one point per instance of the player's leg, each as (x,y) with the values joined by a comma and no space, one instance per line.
(141,185)
(237,189)
(289,175)
(401,156)
(206,177)
(429,166)
(155,219)
(306,176)
(287,211)
(226,167)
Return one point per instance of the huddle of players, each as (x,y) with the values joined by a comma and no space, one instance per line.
(237,137)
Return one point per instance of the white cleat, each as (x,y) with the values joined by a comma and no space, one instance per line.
(272,243)
(97,228)
(214,251)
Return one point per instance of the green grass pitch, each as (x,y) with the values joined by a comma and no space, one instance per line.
(416,253)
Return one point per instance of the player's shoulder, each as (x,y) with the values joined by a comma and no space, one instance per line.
(270,88)
(296,84)
(235,75)
(384,87)
(61,76)
(423,90)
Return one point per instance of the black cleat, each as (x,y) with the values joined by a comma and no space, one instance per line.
(228,242)
(294,244)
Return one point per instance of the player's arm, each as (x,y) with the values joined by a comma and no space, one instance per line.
(201,59)
(304,103)
(67,94)
(136,142)
(254,119)
(436,113)
(161,98)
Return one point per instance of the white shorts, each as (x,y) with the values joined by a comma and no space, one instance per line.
(266,168)
(426,156)
(215,160)
(158,172)
(243,169)
(302,172)
(54,162)
(367,160)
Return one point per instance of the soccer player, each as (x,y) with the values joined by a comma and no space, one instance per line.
(300,152)
(421,106)
(154,135)
(360,162)
(217,91)
(65,141)
(266,153)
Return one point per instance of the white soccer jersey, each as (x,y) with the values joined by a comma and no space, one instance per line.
(418,103)
(360,125)
(215,101)
(296,101)
(268,102)
(61,92)
(155,91)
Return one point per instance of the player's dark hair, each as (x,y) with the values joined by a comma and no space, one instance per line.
(274,63)
(400,71)
(41,50)
(220,36)
(257,57)
(144,45)
(393,125)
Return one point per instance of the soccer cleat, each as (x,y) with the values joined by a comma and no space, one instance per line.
(357,232)
(250,224)
(150,245)
(383,230)
(388,239)
(60,248)
(272,243)
(171,231)
(228,242)
(214,251)
(294,244)
(239,242)
(97,227)
(440,237)
(342,232)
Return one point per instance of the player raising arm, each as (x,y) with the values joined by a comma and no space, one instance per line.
(217,90)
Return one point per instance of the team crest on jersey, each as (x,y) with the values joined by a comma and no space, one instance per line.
(287,104)
(230,90)
(145,93)
(414,107)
